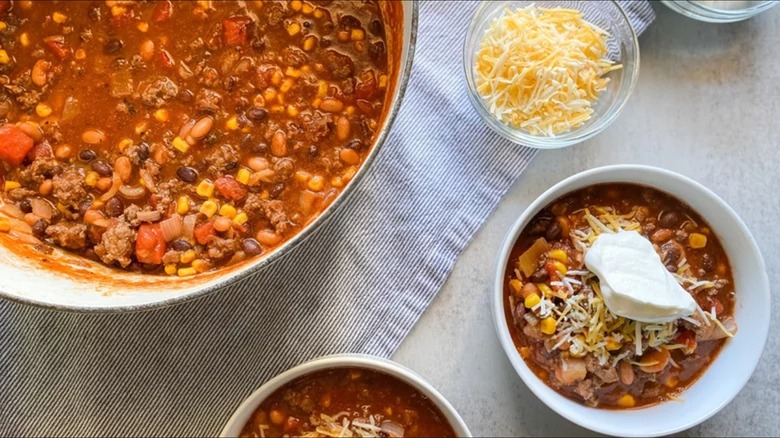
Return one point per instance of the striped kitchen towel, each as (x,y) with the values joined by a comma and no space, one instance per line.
(358,285)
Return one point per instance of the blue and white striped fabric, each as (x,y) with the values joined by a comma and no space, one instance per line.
(358,285)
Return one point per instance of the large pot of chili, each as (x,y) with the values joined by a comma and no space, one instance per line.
(143,166)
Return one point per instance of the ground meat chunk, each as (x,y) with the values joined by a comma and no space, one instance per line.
(117,244)
(68,235)
(166,193)
(294,57)
(171,256)
(69,187)
(208,100)
(137,153)
(317,125)
(284,168)
(587,389)
(131,215)
(25,96)
(219,248)
(339,65)
(607,373)
(21,194)
(271,210)
(159,91)
(221,159)
(274,15)
(43,168)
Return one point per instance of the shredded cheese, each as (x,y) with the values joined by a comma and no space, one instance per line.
(542,70)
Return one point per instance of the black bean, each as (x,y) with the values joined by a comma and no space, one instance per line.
(669,219)
(251,247)
(186,96)
(114,207)
(84,206)
(376,28)
(539,227)
(181,245)
(707,263)
(230,83)
(376,50)
(347,21)
(25,206)
(257,114)
(233,165)
(258,44)
(39,227)
(187,174)
(540,276)
(260,148)
(554,231)
(113,45)
(276,190)
(325,43)
(247,141)
(357,145)
(87,155)
(102,168)
(143,152)
(313,151)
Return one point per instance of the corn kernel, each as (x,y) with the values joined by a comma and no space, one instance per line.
(59,17)
(515,285)
(187,256)
(280,98)
(293,29)
(265,195)
(118,10)
(10,185)
(322,89)
(5,225)
(316,183)
(293,73)
(545,289)
(672,381)
(357,35)
(302,176)
(124,144)
(286,85)
(269,94)
(548,325)
(343,36)
(181,145)
(161,115)
(316,103)
(531,301)
(183,205)
(309,42)
(209,208)
(559,254)
(525,352)
(296,5)
(382,81)
(612,344)
(277,109)
(187,272)
(307,8)
(242,176)
(143,26)
(91,179)
(337,182)
(350,110)
(24,39)
(318,13)
(3,26)
(201,265)
(292,111)
(228,211)
(560,267)
(141,128)
(240,218)
(170,268)
(276,78)
(349,173)
(232,123)
(626,401)
(205,188)
(80,54)
(43,110)
(697,240)
(4,58)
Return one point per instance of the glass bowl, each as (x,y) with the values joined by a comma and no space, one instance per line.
(623,49)
(707,11)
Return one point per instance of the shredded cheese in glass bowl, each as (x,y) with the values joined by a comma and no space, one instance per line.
(550,77)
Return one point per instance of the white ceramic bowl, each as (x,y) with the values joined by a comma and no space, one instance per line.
(65,281)
(247,408)
(726,376)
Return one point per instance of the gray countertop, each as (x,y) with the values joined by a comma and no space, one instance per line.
(707,106)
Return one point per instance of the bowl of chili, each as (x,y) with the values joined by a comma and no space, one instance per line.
(360,394)
(142,167)
(696,368)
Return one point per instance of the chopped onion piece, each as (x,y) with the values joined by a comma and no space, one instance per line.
(392,428)
(116,183)
(102,222)
(132,192)
(41,208)
(148,180)
(20,226)
(188,226)
(24,237)
(171,228)
(13,211)
(149,216)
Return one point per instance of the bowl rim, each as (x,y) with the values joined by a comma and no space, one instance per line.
(523,138)
(232,276)
(550,397)
(709,14)
(242,413)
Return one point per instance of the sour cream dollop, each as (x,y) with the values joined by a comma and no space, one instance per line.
(634,282)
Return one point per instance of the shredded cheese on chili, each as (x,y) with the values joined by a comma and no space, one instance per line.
(541,69)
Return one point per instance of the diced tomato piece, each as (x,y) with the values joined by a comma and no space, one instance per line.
(166,60)
(552,270)
(714,302)
(163,11)
(14,144)
(41,150)
(56,45)
(230,188)
(688,339)
(235,30)
(293,425)
(150,244)
(5,6)
(203,232)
